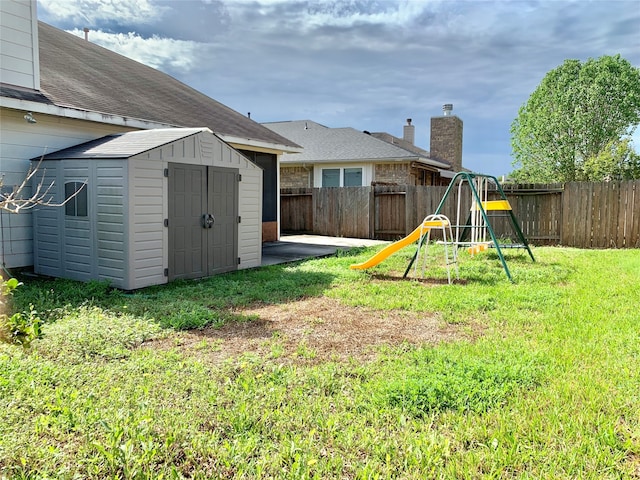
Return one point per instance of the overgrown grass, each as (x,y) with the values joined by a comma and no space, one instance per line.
(550,390)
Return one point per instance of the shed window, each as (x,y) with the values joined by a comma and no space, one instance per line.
(353,177)
(75,197)
(330,177)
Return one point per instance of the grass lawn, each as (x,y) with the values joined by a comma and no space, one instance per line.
(313,370)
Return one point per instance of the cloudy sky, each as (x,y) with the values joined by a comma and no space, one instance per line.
(364,64)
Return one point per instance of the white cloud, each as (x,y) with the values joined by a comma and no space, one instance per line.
(160,53)
(365,64)
(94,11)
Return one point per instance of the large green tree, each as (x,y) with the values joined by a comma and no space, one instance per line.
(618,160)
(577,113)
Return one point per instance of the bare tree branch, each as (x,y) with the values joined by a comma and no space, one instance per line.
(14,202)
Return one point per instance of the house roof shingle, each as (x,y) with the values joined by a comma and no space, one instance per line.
(400,142)
(326,144)
(78,74)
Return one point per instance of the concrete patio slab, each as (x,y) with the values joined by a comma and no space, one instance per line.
(291,248)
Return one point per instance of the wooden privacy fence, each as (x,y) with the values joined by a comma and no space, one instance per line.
(576,214)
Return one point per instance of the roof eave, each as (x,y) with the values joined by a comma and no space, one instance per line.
(79,114)
(434,163)
(258,145)
(426,161)
(136,123)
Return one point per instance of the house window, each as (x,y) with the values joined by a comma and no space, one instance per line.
(330,177)
(353,177)
(342,177)
(75,197)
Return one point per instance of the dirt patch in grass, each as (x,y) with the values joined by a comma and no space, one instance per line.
(635,466)
(315,330)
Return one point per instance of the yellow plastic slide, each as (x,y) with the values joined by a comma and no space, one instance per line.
(389,250)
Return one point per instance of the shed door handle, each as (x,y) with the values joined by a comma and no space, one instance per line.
(208,220)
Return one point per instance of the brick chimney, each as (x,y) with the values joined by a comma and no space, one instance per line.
(409,132)
(446,138)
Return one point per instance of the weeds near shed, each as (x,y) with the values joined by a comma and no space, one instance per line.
(21,327)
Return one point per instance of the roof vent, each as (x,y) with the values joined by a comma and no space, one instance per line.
(86,33)
(446,109)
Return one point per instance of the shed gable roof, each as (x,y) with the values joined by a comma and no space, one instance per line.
(78,74)
(124,145)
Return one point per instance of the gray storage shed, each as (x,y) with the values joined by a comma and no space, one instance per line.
(152,206)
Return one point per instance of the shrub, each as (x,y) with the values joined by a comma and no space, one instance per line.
(21,327)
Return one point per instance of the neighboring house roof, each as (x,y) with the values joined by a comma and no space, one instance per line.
(401,142)
(324,144)
(78,74)
(123,145)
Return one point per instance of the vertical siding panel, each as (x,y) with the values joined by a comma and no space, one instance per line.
(47,223)
(19,56)
(78,250)
(110,225)
(147,237)
(250,211)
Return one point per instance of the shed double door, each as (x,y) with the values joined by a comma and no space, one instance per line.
(203,220)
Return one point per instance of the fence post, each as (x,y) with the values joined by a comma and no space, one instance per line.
(372,212)
(409,209)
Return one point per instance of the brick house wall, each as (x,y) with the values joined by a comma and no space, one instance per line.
(294,177)
(406,174)
(397,174)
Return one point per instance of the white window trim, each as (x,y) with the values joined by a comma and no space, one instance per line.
(367,173)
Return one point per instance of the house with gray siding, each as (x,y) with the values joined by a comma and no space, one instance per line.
(58,90)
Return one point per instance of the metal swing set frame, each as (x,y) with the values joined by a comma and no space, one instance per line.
(476,233)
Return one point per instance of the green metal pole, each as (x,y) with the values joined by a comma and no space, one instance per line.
(514,222)
(438,209)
